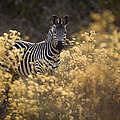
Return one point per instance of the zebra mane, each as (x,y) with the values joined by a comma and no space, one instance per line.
(50,34)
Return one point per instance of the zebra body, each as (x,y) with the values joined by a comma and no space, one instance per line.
(34,53)
(47,52)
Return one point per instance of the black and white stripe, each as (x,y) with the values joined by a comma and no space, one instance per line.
(46,52)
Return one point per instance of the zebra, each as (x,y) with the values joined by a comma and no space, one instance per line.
(48,50)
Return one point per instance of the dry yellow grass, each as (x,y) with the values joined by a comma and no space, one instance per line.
(86,86)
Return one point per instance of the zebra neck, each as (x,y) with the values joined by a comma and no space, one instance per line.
(54,49)
(48,45)
(49,39)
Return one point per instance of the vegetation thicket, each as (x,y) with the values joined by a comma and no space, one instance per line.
(86,86)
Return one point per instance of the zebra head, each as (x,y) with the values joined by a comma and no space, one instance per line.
(59,31)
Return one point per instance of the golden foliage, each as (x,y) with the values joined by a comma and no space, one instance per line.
(85,86)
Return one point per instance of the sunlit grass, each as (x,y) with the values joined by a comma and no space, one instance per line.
(85,86)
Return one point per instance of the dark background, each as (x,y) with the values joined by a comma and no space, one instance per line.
(33,17)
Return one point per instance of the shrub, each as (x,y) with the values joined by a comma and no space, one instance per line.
(86,86)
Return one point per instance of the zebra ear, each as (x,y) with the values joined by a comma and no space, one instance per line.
(65,20)
(55,19)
